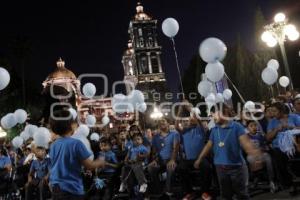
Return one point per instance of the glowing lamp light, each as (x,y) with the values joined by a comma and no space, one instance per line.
(156,114)
(288,29)
(279,17)
(294,35)
(2,133)
(266,36)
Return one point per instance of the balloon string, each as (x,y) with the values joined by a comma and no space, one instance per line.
(235,88)
(177,64)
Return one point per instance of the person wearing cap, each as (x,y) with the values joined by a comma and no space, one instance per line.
(38,175)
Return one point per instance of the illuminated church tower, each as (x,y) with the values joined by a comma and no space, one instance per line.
(142,60)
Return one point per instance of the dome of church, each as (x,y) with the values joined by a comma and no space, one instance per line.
(61,71)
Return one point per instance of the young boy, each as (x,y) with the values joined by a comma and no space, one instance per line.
(67,156)
(38,175)
(259,142)
(108,171)
(227,139)
(134,164)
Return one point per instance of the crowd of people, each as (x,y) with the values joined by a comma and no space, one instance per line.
(218,159)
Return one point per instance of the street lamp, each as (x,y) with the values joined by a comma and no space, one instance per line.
(278,32)
(156,114)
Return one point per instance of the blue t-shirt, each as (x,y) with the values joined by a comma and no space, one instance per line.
(258,140)
(40,168)
(4,161)
(231,152)
(136,150)
(193,142)
(164,145)
(128,145)
(293,120)
(109,157)
(66,154)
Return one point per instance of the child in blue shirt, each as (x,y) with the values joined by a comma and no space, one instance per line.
(67,156)
(108,171)
(135,160)
(38,174)
(227,140)
(259,141)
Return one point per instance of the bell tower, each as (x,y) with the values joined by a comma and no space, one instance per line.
(142,59)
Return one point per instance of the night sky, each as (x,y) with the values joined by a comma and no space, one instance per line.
(91,36)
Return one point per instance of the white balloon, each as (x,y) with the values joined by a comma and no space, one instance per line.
(249,105)
(42,137)
(30,129)
(105,120)
(90,120)
(73,113)
(219,98)
(269,76)
(284,81)
(136,97)
(211,98)
(4,78)
(17,142)
(20,115)
(83,130)
(227,94)
(142,107)
(8,121)
(214,71)
(95,137)
(212,50)
(170,27)
(24,135)
(205,88)
(274,64)
(85,142)
(195,111)
(89,90)
(121,104)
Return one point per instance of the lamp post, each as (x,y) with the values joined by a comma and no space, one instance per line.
(278,32)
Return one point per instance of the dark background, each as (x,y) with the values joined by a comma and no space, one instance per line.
(91,35)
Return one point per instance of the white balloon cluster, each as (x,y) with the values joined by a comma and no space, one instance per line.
(41,136)
(213,51)
(270,75)
(89,90)
(12,119)
(4,78)
(134,101)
